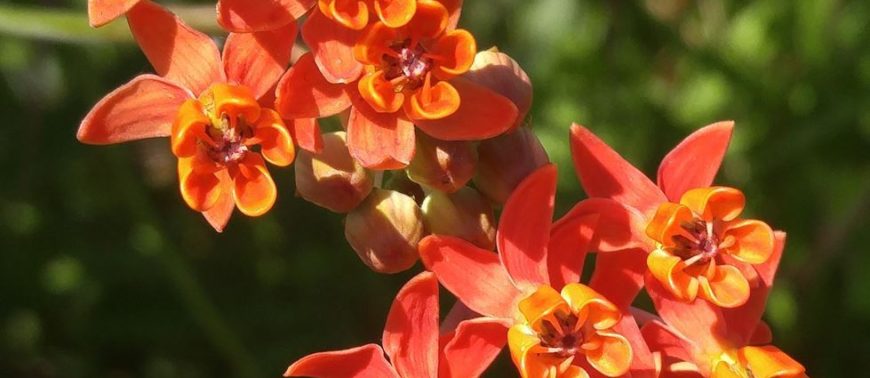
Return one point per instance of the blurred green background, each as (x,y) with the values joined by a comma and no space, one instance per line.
(104,272)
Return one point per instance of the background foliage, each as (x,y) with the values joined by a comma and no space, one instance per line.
(105,273)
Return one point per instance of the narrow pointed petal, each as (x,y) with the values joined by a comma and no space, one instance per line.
(143,108)
(470,350)
(101,12)
(619,275)
(254,191)
(643,362)
(454,10)
(667,341)
(699,321)
(743,321)
(306,134)
(482,114)
(694,162)
(257,60)
(366,361)
(175,50)
(379,140)
(219,215)
(770,362)
(241,16)
(395,13)
(457,314)
(473,275)
(303,92)
(617,228)
(332,47)
(570,239)
(411,333)
(501,73)
(524,228)
(604,173)
(761,335)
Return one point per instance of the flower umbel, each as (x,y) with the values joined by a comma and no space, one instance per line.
(701,239)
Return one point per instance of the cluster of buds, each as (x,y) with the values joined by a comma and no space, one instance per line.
(434,141)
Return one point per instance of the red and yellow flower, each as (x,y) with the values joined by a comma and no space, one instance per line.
(241,16)
(407,75)
(413,344)
(209,106)
(558,327)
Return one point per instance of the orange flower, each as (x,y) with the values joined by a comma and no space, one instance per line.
(412,77)
(220,136)
(556,329)
(700,238)
(355,14)
(757,362)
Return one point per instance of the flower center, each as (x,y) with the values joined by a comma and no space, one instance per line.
(227,141)
(408,66)
(561,334)
(701,244)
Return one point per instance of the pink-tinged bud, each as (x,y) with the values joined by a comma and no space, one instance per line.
(332,179)
(504,161)
(464,214)
(384,231)
(502,74)
(442,165)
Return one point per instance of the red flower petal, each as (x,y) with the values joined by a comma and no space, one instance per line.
(567,249)
(603,173)
(379,140)
(257,60)
(219,214)
(177,51)
(524,228)
(482,114)
(619,276)
(101,12)
(143,108)
(474,275)
(303,92)
(499,72)
(366,361)
(306,133)
(411,333)
(454,9)
(699,321)
(244,16)
(694,162)
(472,348)
(661,338)
(332,47)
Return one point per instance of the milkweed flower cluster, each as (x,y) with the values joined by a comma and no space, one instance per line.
(433,141)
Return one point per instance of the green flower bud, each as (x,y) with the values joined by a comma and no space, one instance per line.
(464,214)
(442,165)
(504,161)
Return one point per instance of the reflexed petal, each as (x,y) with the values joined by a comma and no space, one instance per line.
(618,227)
(453,54)
(380,93)
(698,321)
(482,114)
(199,183)
(433,102)
(569,242)
(524,227)
(727,288)
(143,108)
(257,60)
(219,214)
(643,362)
(761,335)
(600,312)
(668,269)
(353,14)
(619,276)
(667,223)
(754,241)
(502,74)
(366,361)
(454,9)
(395,13)
(332,48)
(769,362)
(661,338)
(242,16)
(188,129)
(541,303)
(306,133)
(275,141)
(604,173)
(176,51)
(472,348)
(411,333)
(101,12)
(303,92)
(473,275)
(379,140)
(614,356)
(694,162)
(253,190)
(717,202)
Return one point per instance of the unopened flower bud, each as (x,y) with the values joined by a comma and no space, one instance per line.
(332,179)
(384,231)
(502,74)
(442,165)
(400,182)
(504,161)
(464,214)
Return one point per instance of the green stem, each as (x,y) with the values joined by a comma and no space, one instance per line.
(71,26)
